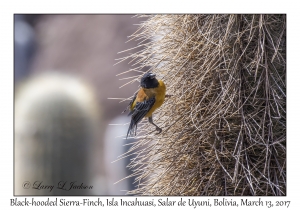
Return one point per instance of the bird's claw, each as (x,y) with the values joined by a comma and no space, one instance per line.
(159,130)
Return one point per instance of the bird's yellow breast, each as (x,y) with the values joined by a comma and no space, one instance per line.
(158,92)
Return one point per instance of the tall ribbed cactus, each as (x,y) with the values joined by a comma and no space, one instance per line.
(55,126)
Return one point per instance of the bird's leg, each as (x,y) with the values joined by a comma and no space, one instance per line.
(157,128)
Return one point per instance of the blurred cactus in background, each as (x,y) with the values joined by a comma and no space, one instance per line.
(56,125)
(48,127)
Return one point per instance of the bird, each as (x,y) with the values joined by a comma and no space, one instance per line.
(145,101)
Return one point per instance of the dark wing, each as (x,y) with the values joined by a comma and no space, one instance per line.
(130,103)
(138,113)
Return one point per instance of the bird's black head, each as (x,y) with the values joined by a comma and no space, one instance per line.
(149,81)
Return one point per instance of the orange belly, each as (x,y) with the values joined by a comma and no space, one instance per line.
(159,94)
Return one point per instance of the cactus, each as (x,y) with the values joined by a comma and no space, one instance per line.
(55,128)
(224,128)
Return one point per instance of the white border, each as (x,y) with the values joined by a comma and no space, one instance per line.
(8,8)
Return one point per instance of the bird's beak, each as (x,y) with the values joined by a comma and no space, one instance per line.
(152,75)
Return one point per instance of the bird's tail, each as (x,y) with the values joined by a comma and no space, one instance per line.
(132,128)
